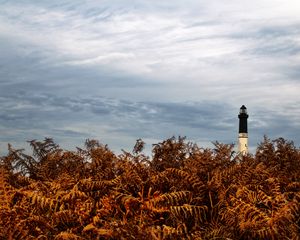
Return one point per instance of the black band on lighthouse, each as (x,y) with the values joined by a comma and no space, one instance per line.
(243,128)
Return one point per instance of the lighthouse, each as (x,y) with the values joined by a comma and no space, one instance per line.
(243,131)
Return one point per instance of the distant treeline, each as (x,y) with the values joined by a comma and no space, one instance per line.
(181,192)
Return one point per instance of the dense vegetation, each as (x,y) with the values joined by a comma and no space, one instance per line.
(183,192)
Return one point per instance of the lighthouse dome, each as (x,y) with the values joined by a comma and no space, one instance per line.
(243,109)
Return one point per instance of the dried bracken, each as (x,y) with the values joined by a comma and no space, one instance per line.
(184,192)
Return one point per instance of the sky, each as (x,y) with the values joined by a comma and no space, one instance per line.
(120,70)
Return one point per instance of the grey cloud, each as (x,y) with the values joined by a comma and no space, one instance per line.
(51,110)
(269,32)
(291,72)
(279,31)
(166,119)
(277,48)
(197,120)
(86,75)
(69,133)
(33,68)
(101,110)
(196,115)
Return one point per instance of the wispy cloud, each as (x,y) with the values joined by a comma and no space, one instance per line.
(148,69)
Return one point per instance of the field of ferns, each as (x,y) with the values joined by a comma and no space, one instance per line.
(181,192)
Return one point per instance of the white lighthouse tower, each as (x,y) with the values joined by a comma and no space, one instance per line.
(243,131)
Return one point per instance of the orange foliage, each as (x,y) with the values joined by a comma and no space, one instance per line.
(183,192)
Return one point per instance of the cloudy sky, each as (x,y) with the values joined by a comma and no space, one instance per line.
(119,70)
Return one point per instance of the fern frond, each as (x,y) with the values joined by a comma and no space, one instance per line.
(6,190)
(174,198)
(293,187)
(67,236)
(74,194)
(100,232)
(168,232)
(192,180)
(274,186)
(40,201)
(18,232)
(65,218)
(90,185)
(186,212)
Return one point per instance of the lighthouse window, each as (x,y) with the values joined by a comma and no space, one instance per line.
(243,110)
